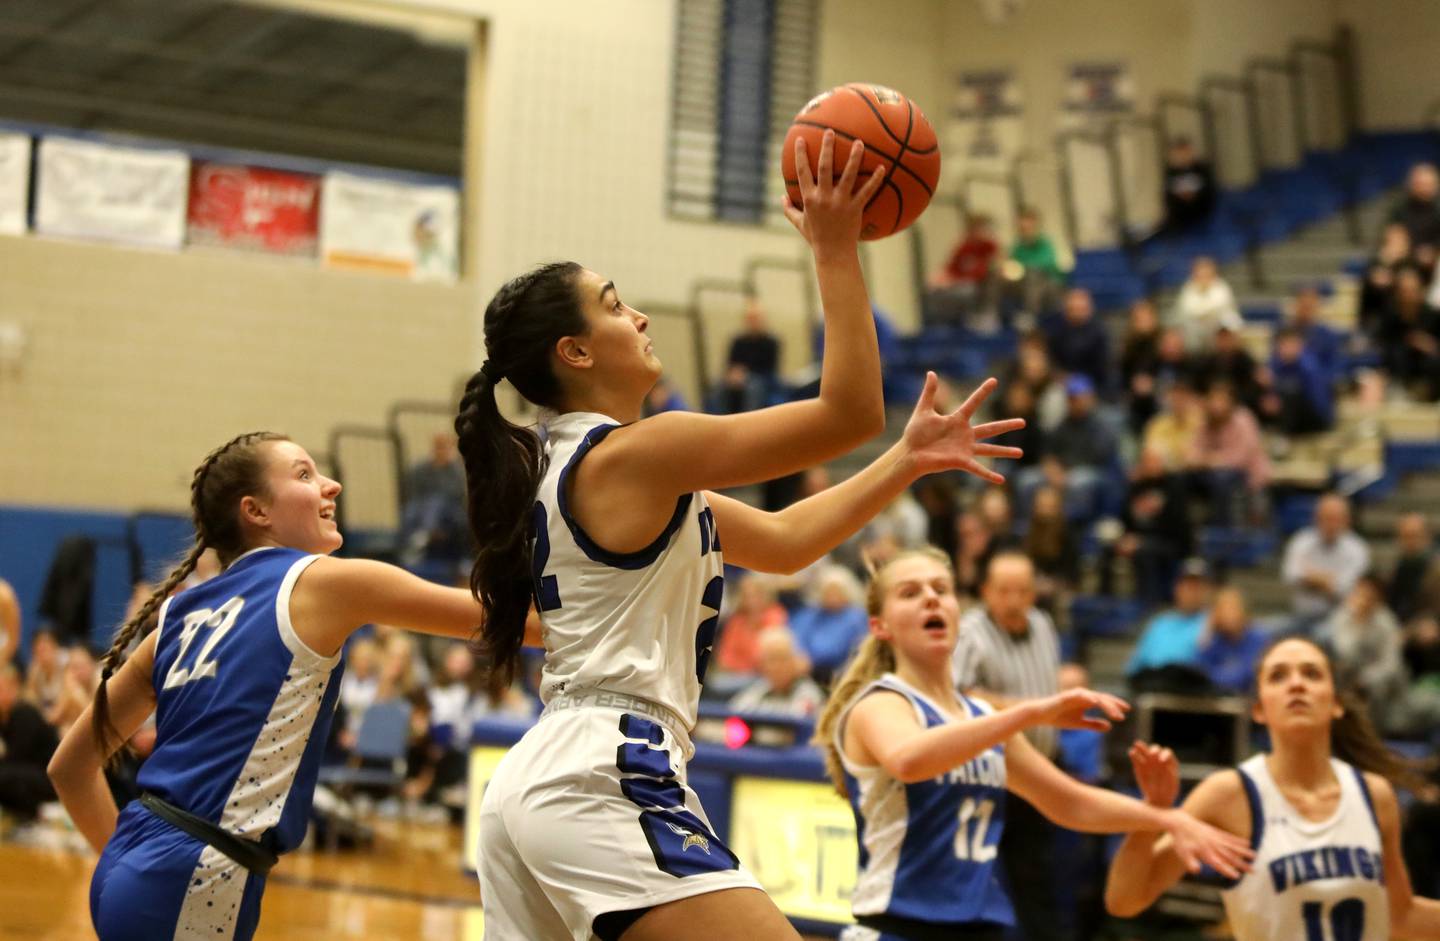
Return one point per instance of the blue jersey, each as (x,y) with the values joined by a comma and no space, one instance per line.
(929,850)
(243,706)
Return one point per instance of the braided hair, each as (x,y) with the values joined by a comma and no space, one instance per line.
(230,472)
(504,462)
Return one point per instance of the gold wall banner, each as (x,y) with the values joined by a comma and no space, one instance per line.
(483,760)
(798,838)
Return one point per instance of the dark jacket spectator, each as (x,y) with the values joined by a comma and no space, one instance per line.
(1409,338)
(1140,363)
(1082,439)
(1230,363)
(1189,187)
(1299,399)
(1158,531)
(1078,342)
(1324,344)
(1415,583)
(1419,212)
(1378,289)
(756,348)
(27,742)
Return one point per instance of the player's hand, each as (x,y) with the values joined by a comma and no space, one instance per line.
(831,208)
(1070,710)
(1157,773)
(937,442)
(1199,844)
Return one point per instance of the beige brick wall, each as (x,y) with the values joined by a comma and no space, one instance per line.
(139,362)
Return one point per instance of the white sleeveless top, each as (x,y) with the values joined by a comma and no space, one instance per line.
(1310,881)
(639,623)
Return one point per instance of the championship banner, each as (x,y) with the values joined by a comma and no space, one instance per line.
(390,227)
(254,208)
(987,108)
(91,190)
(14,182)
(798,839)
(1099,88)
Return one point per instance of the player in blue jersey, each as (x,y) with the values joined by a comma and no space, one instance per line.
(588,827)
(242,672)
(926,770)
(1319,809)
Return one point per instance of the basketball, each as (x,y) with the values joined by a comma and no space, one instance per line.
(897,136)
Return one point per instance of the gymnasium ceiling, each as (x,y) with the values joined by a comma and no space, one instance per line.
(232,74)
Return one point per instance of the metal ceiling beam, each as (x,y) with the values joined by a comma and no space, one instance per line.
(387,150)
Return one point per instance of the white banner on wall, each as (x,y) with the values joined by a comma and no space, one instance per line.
(14,182)
(91,190)
(986,109)
(390,227)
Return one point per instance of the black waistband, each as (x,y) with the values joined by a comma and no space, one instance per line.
(256,857)
(914,930)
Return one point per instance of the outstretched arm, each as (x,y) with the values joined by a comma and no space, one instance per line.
(1411,918)
(1089,809)
(798,535)
(681,452)
(884,726)
(1147,862)
(77,767)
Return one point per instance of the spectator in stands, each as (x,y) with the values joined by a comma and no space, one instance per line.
(1422,653)
(1205,303)
(45,673)
(974,547)
(1298,399)
(1008,649)
(833,622)
(1324,344)
(1140,363)
(1020,403)
(1051,545)
(783,688)
(939,498)
(1409,338)
(1042,278)
(1415,581)
(358,686)
(1078,342)
(966,283)
(757,611)
(1231,647)
(1165,658)
(664,397)
(1228,458)
(1229,362)
(752,369)
(1378,289)
(1158,533)
(432,520)
(1081,451)
(998,514)
(1189,187)
(1419,212)
(1033,369)
(1323,562)
(27,742)
(9,622)
(1366,642)
(77,689)
(1172,433)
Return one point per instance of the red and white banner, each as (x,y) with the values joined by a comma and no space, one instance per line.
(391,227)
(254,208)
(14,182)
(92,190)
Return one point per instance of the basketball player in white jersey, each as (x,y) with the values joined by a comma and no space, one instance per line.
(588,828)
(1318,808)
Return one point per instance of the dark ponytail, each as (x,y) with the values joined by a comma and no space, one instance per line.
(230,472)
(504,462)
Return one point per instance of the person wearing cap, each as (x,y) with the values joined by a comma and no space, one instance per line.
(1204,301)
(1077,455)
(1172,638)
(1078,342)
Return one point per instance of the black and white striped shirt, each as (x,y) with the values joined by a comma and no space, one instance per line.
(1018,666)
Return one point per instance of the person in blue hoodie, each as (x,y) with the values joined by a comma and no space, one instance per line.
(1299,399)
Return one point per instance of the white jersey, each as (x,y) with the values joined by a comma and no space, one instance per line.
(1310,881)
(639,623)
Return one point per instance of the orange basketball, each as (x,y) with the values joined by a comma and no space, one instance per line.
(897,135)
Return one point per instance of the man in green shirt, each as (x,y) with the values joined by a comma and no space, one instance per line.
(1037,284)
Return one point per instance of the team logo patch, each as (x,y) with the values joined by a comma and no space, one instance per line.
(691,838)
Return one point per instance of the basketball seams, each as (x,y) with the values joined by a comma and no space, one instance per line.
(875,150)
(885,125)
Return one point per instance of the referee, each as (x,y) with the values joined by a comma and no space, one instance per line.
(1008,650)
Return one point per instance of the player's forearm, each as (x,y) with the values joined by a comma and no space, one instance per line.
(87,799)
(1089,809)
(806,530)
(1421,922)
(1128,889)
(935,751)
(850,369)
